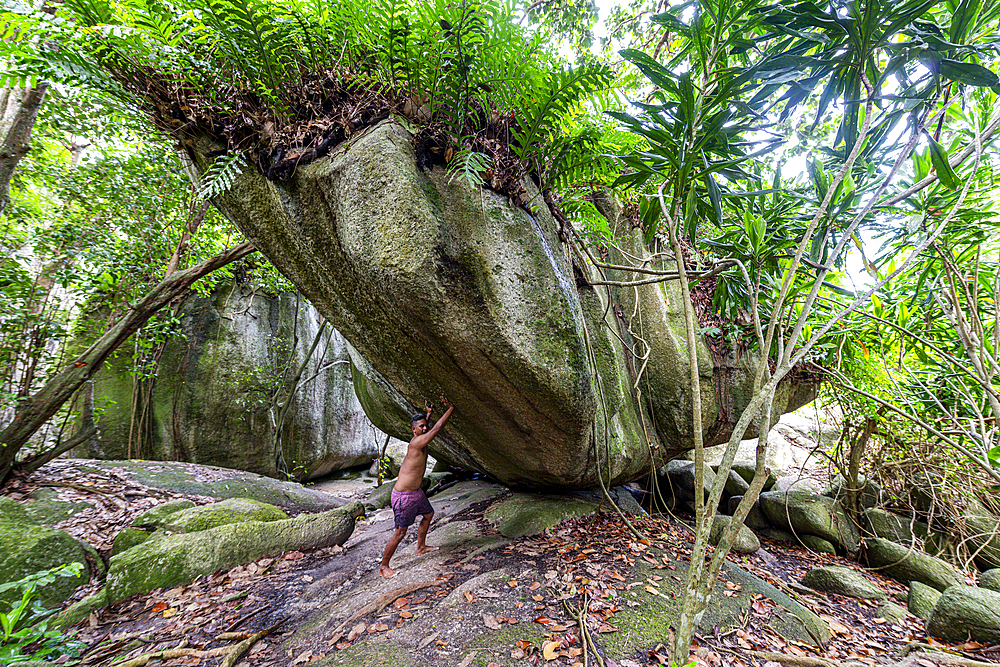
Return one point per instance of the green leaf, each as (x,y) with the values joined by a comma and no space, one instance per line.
(939,158)
(970,74)
(962,20)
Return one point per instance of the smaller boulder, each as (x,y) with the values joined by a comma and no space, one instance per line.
(905,565)
(129,538)
(27,548)
(808,513)
(797,483)
(736,485)
(990,579)
(233,510)
(746,469)
(818,544)
(745,541)
(892,612)
(676,480)
(755,517)
(379,496)
(965,612)
(921,599)
(154,517)
(842,581)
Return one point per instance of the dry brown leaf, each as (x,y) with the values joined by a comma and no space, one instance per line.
(550,650)
(491,622)
(469,597)
(406,614)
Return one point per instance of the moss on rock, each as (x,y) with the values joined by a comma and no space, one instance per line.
(27,548)
(178,559)
(528,513)
(233,510)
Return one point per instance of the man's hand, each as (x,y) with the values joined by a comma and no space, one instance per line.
(447,403)
(429,407)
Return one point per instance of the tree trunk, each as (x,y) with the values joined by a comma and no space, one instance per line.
(35,410)
(18,111)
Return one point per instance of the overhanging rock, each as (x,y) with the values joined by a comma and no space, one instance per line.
(441,288)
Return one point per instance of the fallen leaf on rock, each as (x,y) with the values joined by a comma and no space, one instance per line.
(518,654)
(401,602)
(167,613)
(557,628)
(468,659)
(491,622)
(550,650)
(355,632)
(406,614)
(606,627)
(537,598)
(469,597)
(302,658)
(159,606)
(343,645)
(534,586)
(512,583)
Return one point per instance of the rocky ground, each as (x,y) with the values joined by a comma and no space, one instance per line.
(505,588)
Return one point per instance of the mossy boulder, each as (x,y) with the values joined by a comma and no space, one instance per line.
(676,480)
(807,513)
(233,510)
(525,514)
(209,383)
(895,528)
(921,599)
(755,517)
(984,529)
(746,470)
(509,326)
(128,538)
(735,484)
(156,516)
(892,612)
(842,581)
(905,565)
(178,559)
(817,544)
(214,482)
(27,548)
(744,543)
(44,506)
(966,612)
(990,579)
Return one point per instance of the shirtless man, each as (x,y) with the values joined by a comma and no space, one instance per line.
(408,499)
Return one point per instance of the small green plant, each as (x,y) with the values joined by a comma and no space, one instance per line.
(26,635)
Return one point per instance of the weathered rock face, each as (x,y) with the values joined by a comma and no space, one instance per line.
(209,403)
(441,288)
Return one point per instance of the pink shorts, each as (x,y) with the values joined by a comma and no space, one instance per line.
(406,505)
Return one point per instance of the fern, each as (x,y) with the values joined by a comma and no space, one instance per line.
(220,175)
(468,165)
(547,103)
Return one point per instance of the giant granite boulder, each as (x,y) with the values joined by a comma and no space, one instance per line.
(208,402)
(444,288)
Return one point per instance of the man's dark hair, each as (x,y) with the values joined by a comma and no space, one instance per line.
(417,417)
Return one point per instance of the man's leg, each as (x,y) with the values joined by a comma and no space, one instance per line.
(390,549)
(425,523)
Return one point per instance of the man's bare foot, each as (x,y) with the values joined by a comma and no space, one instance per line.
(386,571)
(424,549)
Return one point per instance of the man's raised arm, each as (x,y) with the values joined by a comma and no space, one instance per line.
(441,422)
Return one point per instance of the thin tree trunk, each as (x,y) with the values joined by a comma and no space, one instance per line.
(18,111)
(35,410)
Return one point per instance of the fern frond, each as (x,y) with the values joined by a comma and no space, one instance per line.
(560,92)
(220,175)
(468,165)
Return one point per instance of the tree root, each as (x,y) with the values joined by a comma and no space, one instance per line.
(232,653)
(795,660)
